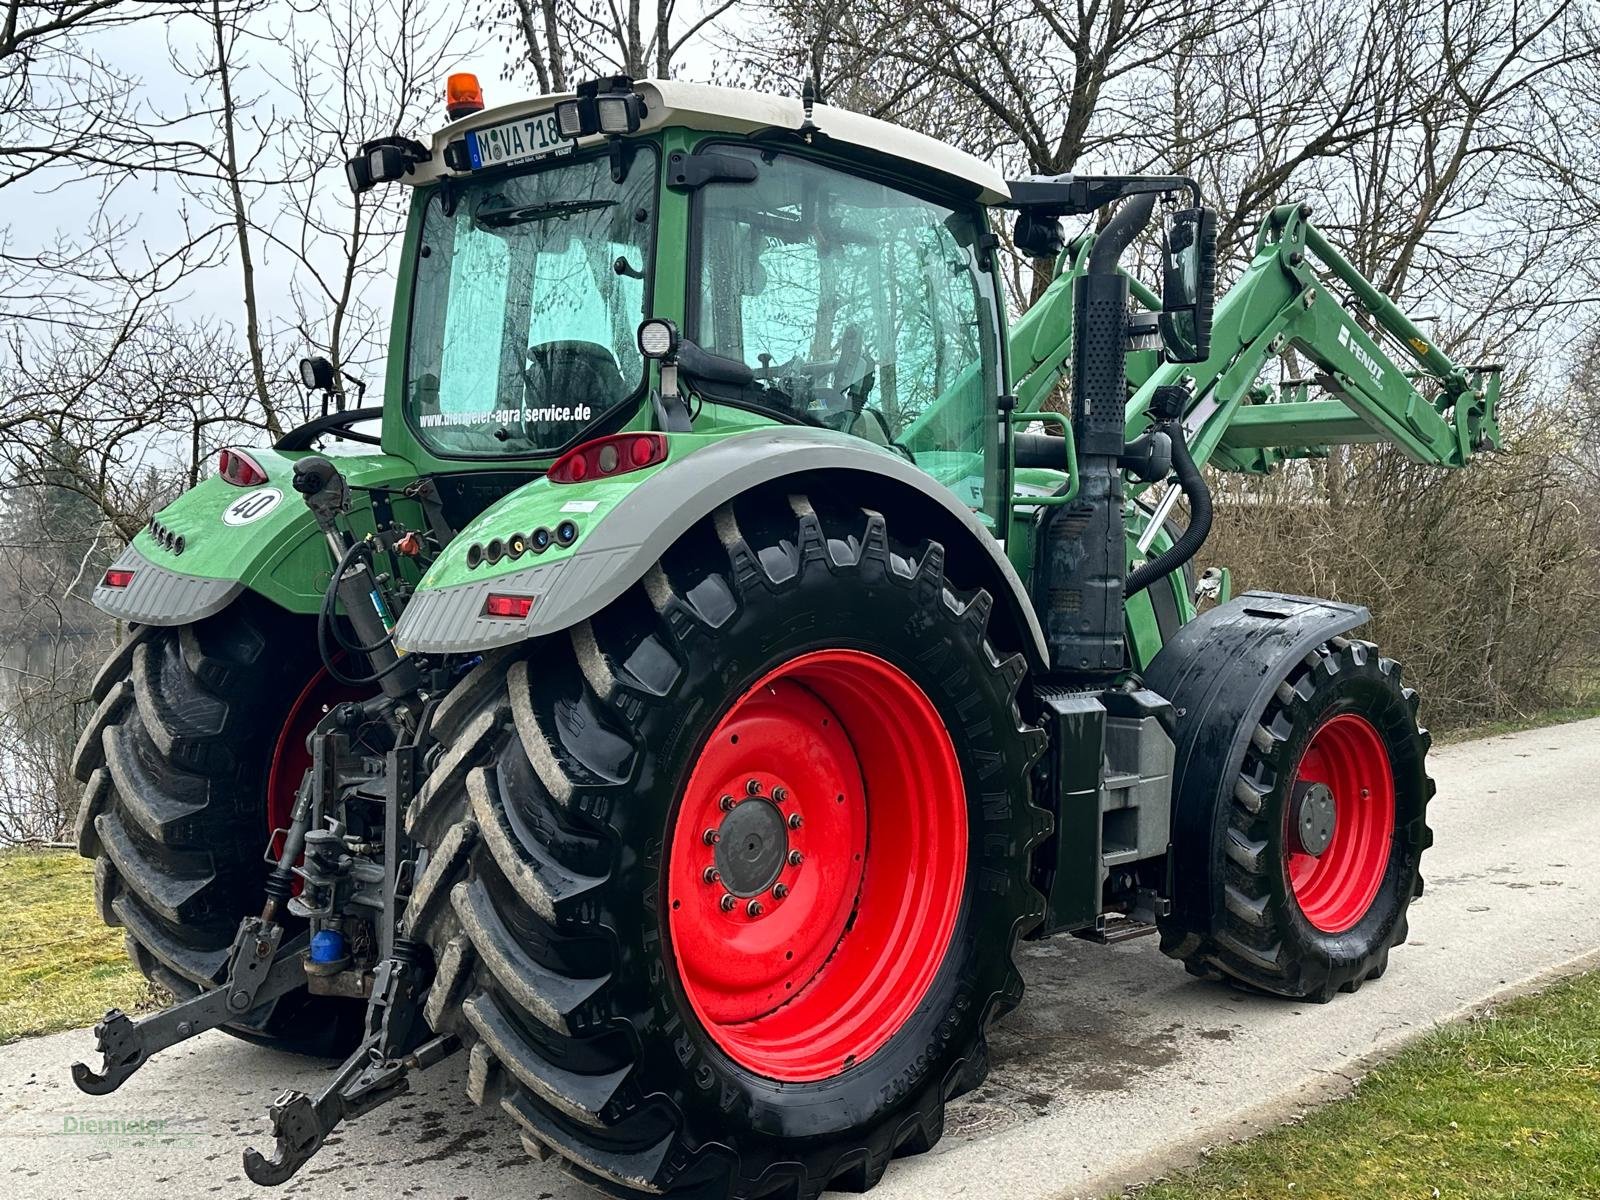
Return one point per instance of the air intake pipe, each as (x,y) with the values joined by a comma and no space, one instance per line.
(1083,551)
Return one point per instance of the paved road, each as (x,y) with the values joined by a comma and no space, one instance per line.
(1116,1066)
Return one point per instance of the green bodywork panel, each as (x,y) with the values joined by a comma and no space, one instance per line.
(280,554)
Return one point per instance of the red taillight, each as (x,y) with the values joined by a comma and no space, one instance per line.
(239,469)
(118,578)
(462,95)
(614,455)
(513,607)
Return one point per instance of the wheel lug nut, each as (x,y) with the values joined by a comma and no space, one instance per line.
(728,902)
(794,821)
(754,908)
(796,858)
(753,787)
(711,875)
(780,891)
(780,794)
(711,837)
(727,803)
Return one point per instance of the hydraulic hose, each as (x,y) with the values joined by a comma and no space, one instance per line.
(1191,539)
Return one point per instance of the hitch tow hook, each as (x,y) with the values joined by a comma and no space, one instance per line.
(122,1052)
(258,971)
(378,1071)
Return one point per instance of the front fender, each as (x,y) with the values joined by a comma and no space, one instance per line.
(233,538)
(1219,672)
(626,523)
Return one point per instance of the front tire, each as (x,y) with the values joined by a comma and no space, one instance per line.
(650,1035)
(1321,843)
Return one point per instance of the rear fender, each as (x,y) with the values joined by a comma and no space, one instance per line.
(235,538)
(625,523)
(1219,671)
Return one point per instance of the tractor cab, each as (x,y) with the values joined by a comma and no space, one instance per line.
(824,269)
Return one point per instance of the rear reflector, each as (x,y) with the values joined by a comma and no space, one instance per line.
(117,578)
(512,607)
(607,456)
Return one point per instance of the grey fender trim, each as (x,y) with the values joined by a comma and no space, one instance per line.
(635,534)
(161,596)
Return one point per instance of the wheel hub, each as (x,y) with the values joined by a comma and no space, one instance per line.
(1315,817)
(752,846)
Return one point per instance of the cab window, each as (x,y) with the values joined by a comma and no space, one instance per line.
(859,306)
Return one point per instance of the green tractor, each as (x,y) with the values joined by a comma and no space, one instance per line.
(726,656)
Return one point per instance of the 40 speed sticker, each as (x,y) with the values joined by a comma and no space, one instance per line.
(251,506)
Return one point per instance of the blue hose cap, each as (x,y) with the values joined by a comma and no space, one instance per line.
(327,946)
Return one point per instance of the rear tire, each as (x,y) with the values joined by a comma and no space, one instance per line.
(548,893)
(175,764)
(1304,926)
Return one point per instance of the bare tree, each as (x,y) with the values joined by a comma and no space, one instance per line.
(237,167)
(362,69)
(62,102)
(560,41)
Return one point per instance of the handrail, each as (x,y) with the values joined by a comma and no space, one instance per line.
(1068,444)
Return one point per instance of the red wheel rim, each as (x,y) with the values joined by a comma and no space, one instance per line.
(1336,888)
(290,757)
(858,832)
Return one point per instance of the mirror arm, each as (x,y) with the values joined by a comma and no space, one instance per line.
(1077,195)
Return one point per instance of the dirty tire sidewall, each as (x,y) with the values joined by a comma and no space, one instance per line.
(174,763)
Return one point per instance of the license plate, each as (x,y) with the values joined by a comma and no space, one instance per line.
(516,141)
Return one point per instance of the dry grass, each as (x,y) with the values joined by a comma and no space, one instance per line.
(59,966)
(1484,583)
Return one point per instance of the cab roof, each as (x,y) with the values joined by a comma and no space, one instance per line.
(702,106)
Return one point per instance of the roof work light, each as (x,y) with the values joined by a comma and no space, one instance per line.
(608,105)
(384,161)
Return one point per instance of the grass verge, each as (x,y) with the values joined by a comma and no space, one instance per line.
(1504,1106)
(59,966)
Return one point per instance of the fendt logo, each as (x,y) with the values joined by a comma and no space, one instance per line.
(1363,356)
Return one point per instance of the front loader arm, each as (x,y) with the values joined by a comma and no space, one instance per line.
(1280,304)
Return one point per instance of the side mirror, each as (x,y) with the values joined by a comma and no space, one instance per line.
(1188,281)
